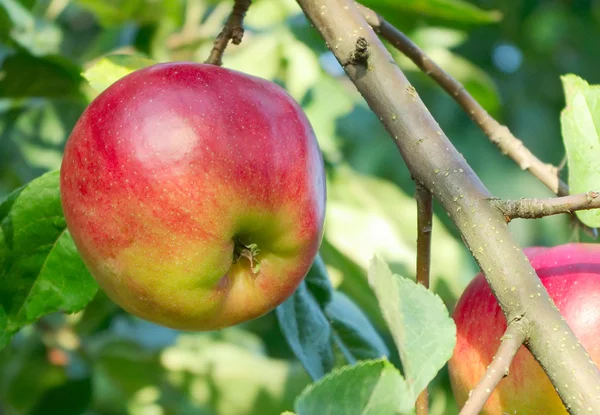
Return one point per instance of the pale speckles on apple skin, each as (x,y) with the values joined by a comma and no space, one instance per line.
(479,342)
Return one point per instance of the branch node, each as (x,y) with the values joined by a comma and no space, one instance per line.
(360,54)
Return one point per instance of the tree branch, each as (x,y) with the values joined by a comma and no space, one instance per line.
(497,133)
(233,30)
(511,342)
(537,208)
(424,224)
(435,163)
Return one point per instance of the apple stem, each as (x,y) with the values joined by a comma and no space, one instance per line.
(232,30)
(248,251)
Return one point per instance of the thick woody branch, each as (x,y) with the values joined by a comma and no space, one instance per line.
(513,338)
(498,134)
(537,208)
(424,224)
(436,164)
(233,30)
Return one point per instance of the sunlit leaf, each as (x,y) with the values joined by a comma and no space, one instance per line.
(111,68)
(303,69)
(370,388)
(581,134)
(212,372)
(419,322)
(384,220)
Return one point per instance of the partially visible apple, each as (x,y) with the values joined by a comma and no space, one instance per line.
(571,274)
(195,194)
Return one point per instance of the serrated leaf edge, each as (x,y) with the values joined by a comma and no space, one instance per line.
(340,370)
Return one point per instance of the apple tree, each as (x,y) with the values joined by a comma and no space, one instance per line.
(274,206)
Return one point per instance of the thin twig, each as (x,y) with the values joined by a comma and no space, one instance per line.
(424,227)
(424,223)
(434,162)
(530,208)
(233,30)
(498,134)
(513,338)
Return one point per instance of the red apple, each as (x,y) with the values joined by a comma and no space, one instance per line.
(194,194)
(571,274)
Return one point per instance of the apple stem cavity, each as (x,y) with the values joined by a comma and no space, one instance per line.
(248,251)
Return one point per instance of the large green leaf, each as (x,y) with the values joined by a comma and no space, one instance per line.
(315,321)
(580,122)
(40,269)
(27,76)
(307,331)
(372,387)
(352,331)
(419,322)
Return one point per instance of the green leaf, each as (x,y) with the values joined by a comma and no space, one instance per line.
(303,68)
(318,282)
(112,13)
(40,269)
(6,24)
(259,56)
(111,68)
(26,76)
(353,333)
(36,36)
(70,398)
(27,375)
(419,322)
(458,11)
(315,319)
(368,388)
(211,371)
(580,121)
(383,220)
(307,331)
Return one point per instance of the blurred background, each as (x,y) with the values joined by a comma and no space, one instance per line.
(509,54)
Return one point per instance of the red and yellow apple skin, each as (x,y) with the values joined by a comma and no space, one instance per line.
(571,274)
(194,194)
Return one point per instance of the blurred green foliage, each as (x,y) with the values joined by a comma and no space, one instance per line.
(103,361)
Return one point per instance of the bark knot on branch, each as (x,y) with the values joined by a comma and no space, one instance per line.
(360,54)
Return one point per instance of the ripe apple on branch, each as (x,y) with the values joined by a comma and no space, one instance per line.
(195,194)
